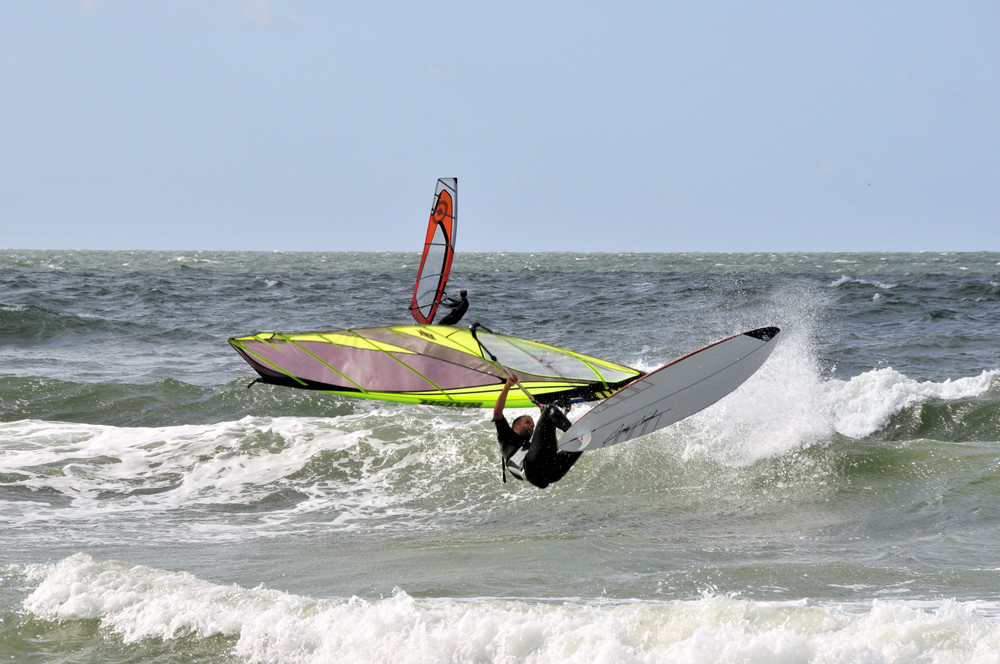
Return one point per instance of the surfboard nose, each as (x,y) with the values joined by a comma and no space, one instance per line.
(763,333)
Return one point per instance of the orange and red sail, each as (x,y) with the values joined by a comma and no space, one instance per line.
(439,250)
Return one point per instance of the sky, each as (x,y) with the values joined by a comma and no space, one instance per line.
(655,126)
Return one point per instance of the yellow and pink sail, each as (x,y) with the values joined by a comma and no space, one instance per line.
(429,364)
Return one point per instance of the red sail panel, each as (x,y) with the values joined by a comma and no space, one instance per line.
(439,249)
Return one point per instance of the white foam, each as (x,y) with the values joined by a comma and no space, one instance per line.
(201,259)
(203,463)
(789,405)
(865,403)
(350,470)
(137,603)
(844,279)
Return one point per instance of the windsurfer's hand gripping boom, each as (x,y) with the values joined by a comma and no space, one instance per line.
(512,380)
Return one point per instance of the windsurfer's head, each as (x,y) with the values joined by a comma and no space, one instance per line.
(464,293)
(523,426)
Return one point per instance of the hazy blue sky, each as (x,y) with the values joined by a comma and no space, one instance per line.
(581,126)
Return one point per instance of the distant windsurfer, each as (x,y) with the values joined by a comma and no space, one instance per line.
(529,451)
(458,307)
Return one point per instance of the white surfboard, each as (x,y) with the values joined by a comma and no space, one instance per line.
(672,392)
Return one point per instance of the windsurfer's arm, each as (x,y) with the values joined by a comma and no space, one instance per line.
(502,399)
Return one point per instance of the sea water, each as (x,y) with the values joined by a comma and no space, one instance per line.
(841,506)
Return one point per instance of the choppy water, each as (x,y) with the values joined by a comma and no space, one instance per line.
(842,506)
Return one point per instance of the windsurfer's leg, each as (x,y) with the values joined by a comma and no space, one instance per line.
(544,463)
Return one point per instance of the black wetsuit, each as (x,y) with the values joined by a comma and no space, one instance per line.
(543,463)
(458,309)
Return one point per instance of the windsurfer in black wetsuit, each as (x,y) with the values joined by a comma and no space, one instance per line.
(529,451)
(458,308)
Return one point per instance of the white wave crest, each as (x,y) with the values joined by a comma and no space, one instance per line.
(245,478)
(181,464)
(844,279)
(789,405)
(137,603)
(864,404)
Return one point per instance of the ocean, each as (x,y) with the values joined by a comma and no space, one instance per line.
(841,506)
